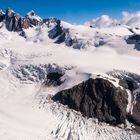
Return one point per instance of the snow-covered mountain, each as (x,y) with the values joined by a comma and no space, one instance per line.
(69,82)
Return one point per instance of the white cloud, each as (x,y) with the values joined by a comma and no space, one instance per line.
(130,19)
(103,21)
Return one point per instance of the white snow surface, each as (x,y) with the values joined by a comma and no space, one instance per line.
(26,110)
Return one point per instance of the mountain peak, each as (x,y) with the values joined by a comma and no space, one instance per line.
(9,10)
(31,13)
(1,12)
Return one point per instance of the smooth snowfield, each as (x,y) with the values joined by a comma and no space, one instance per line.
(26,111)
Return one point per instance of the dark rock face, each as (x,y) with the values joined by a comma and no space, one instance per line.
(34,20)
(62,35)
(14,22)
(55,27)
(61,38)
(134,39)
(131,81)
(127,80)
(57,31)
(96,98)
(128,84)
(2,16)
(123,83)
(24,23)
(135,116)
(53,79)
(68,41)
(11,20)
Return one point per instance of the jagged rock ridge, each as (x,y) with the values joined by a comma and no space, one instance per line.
(17,23)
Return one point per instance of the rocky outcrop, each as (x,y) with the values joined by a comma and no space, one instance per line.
(128,83)
(68,40)
(17,23)
(128,80)
(2,15)
(134,116)
(34,20)
(96,98)
(53,79)
(11,20)
(24,23)
(57,32)
(131,81)
(134,39)
(60,34)
(14,22)
(55,27)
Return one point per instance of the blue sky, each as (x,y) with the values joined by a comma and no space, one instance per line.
(74,11)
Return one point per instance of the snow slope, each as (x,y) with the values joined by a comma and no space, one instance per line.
(26,110)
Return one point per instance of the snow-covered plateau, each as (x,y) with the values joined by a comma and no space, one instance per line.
(32,50)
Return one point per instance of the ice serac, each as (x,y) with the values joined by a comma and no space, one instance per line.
(97,98)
